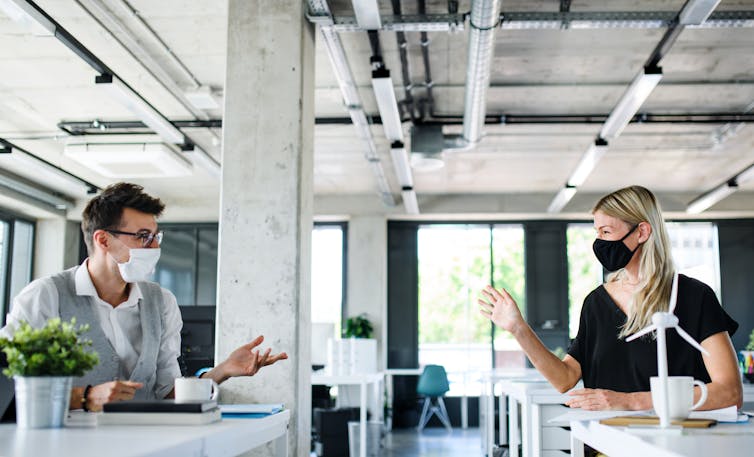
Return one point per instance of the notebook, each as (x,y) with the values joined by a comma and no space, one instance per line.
(143,418)
(159,406)
(250,410)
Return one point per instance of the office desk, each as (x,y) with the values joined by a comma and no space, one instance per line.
(229,437)
(362,380)
(722,439)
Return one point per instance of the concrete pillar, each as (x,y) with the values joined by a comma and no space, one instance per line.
(367,276)
(266,204)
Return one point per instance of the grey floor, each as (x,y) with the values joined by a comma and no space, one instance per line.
(432,442)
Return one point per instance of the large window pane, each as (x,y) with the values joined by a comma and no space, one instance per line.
(509,273)
(21,260)
(4,238)
(206,278)
(327,288)
(176,268)
(454,265)
(696,251)
(584,271)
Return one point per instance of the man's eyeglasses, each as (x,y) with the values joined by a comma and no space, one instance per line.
(145,237)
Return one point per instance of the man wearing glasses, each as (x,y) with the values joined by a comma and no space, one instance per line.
(134,324)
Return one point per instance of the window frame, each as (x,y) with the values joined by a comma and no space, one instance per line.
(11,218)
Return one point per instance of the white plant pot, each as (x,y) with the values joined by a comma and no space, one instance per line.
(42,401)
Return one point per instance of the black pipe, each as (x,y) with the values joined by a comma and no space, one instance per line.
(429,109)
(408,99)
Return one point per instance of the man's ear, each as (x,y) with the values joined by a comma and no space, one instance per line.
(101,239)
(645,229)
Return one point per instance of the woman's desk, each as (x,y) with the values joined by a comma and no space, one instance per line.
(230,437)
(722,439)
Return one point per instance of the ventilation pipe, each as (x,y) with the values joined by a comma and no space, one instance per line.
(483,20)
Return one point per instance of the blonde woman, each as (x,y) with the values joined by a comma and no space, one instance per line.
(632,242)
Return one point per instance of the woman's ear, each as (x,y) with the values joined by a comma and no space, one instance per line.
(645,229)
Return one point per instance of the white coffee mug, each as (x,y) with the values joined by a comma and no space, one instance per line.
(680,395)
(195,389)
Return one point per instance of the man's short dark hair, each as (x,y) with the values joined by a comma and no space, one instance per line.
(106,209)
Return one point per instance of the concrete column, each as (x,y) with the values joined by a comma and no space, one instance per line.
(266,204)
(367,276)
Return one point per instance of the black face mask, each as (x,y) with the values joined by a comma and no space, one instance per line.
(614,255)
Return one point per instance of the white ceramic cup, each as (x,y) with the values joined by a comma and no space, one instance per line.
(680,395)
(195,389)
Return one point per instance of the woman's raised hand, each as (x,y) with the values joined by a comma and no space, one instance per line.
(500,308)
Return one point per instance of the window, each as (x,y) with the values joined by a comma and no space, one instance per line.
(696,251)
(455,263)
(188,263)
(16,259)
(584,271)
(328,281)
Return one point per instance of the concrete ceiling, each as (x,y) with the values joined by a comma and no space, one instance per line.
(517,168)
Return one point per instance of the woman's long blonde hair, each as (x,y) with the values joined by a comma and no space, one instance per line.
(633,205)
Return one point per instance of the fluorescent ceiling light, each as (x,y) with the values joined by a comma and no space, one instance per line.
(409,200)
(695,12)
(588,162)
(367,14)
(201,158)
(50,176)
(17,185)
(386,103)
(22,12)
(631,101)
(710,198)
(203,98)
(564,196)
(143,110)
(136,160)
(746,175)
(401,164)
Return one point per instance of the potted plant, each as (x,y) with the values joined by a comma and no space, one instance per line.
(358,327)
(359,349)
(43,363)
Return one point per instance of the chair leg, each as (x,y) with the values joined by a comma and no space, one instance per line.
(424,417)
(443,414)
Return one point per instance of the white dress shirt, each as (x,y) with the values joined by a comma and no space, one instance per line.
(39,301)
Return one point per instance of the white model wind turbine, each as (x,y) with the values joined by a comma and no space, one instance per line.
(662,321)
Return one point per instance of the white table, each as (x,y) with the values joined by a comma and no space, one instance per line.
(722,439)
(362,380)
(390,372)
(229,437)
(490,380)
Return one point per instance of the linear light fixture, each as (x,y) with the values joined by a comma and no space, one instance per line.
(695,12)
(402,164)
(409,200)
(141,108)
(130,160)
(367,14)
(561,199)
(18,185)
(588,162)
(631,101)
(51,176)
(746,175)
(24,13)
(382,84)
(201,158)
(710,198)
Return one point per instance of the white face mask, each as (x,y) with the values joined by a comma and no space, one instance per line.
(141,264)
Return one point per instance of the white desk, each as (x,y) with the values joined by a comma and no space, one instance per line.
(490,380)
(230,437)
(722,439)
(362,380)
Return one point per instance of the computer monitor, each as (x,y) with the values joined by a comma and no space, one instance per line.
(198,337)
(7,391)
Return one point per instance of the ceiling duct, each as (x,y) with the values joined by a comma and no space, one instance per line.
(484,19)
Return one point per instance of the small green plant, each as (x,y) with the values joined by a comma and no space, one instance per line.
(56,349)
(750,346)
(358,327)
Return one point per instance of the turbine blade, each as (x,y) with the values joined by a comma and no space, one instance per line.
(641,333)
(691,340)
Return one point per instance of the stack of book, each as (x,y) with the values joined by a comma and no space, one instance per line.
(162,412)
